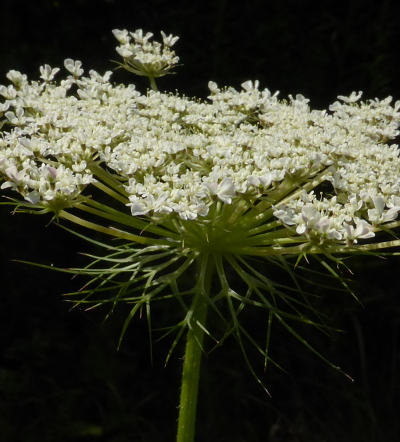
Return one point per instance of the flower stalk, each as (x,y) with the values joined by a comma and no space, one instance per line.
(193,351)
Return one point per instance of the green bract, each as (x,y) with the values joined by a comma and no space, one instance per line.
(208,185)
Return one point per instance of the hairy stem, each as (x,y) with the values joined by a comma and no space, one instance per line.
(193,351)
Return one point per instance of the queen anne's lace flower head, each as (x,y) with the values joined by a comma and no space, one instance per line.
(184,182)
(328,176)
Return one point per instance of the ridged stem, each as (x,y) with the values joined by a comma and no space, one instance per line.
(193,352)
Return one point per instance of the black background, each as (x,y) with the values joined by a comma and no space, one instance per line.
(61,378)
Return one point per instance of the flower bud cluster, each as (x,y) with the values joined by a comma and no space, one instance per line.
(180,156)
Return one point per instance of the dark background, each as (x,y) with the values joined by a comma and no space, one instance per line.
(61,378)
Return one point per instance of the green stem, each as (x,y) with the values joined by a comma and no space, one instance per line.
(111,192)
(111,231)
(153,84)
(193,351)
(108,179)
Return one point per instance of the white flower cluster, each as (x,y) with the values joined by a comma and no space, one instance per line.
(39,156)
(145,57)
(177,155)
